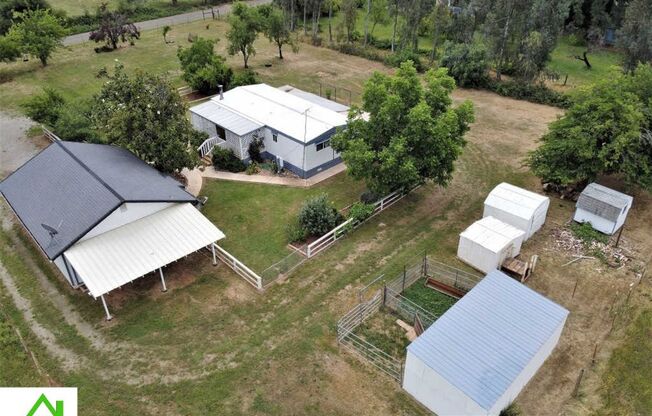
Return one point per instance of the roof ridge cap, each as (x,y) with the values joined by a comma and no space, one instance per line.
(90,171)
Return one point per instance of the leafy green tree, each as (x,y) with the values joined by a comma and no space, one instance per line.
(438,22)
(318,216)
(9,7)
(378,14)
(9,50)
(245,26)
(605,131)
(45,108)
(412,134)
(146,115)
(202,69)
(635,36)
(467,63)
(74,124)
(37,33)
(349,10)
(276,30)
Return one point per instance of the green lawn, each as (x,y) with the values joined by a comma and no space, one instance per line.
(627,382)
(79,7)
(604,63)
(254,216)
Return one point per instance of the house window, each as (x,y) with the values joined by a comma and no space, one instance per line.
(323,145)
(275,137)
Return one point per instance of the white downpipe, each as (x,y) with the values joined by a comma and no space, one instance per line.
(214,256)
(165,289)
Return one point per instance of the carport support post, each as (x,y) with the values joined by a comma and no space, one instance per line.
(106,309)
(165,289)
(214,258)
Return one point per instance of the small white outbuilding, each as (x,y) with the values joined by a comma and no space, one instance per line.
(477,357)
(603,207)
(488,242)
(518,207)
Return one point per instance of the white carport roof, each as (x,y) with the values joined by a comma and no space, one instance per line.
(117,257)
(228,119)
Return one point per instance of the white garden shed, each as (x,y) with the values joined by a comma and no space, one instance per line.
(477,357)
(518,207)
(488,242)
(605,208)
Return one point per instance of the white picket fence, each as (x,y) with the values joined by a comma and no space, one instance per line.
(338,232)
(239,267)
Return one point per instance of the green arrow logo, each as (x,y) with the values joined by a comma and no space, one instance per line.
(42,400)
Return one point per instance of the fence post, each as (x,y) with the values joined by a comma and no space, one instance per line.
(404,273)
(577,384)
(384,293)
(425,263)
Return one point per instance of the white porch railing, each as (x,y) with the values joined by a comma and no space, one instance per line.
(239,267)
(208,145)
(338,232)
(50,135)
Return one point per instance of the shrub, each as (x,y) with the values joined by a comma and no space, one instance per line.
(202,69)
(397,58)
(351,49)
(369,197)
(45,108)
(252,168)
(361,211)
(380,43)
(535,92)
(246,77)
(295,232)
(511,410)
(225,159)
(74,125)
(318,216)
(254,150)
(468,64)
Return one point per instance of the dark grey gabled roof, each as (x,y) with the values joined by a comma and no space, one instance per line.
(72,187)
(603,202)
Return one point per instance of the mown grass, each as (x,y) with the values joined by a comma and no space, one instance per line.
(80,7)
(254,217)
(604,63)
(627,384)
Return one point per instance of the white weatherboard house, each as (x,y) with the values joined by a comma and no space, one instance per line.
(477,357)
(295,126)
(518,207)
(603,207)
(488,242)
(103,216)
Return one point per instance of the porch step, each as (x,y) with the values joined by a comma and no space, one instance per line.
(207,160)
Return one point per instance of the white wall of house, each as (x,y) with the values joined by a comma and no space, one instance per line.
(316,158)
(126,213)
(285,148)
(204,125)
(61,265)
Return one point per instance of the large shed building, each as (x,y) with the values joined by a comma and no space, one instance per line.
(476,358)
(518,207)
(488,242)
(103,216)
(294,126)
(605,208)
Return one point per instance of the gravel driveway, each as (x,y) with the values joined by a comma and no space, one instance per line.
(15,147)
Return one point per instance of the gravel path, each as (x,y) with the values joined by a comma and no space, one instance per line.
(15,147)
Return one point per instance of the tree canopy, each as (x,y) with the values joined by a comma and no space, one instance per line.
(275,29)
(9,7)
(146,115)
(412,134)
(245,26)
(605,131)
(113,28)
(37,33)
(202,68)
(635,36)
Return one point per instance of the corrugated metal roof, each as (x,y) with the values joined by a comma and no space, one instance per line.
(492,233)
(291,115)
(73,186)
(515,200)
(486,339)
(228,119)
(603,202)
(314,98)
(117,257)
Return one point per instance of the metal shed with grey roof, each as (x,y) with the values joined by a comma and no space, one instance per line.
(103,216)
(476,358)
(604,208)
